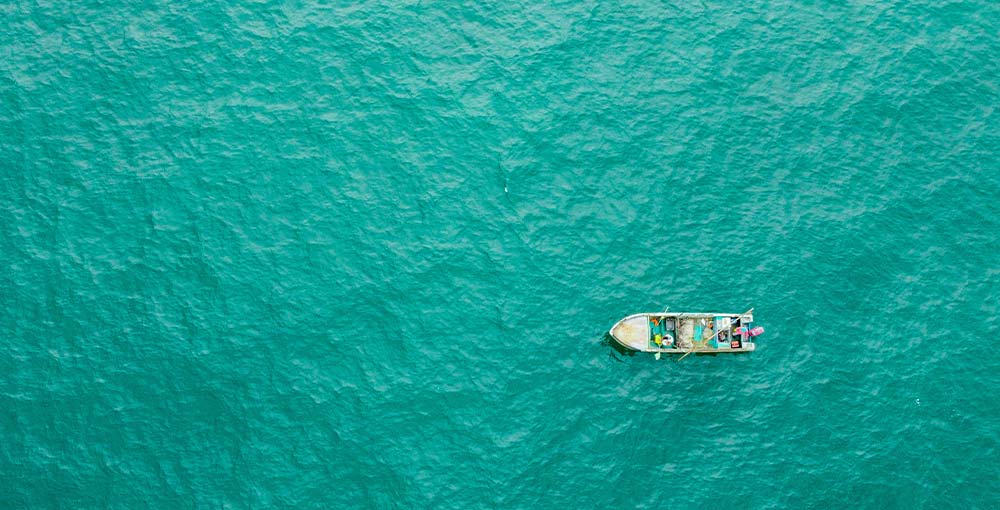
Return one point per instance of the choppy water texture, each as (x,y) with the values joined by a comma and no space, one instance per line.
(365,255)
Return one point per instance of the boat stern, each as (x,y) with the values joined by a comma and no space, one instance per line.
(632,332)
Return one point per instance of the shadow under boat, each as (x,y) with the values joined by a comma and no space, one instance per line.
(616,347)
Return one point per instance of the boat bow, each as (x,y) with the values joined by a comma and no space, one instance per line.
(632,331)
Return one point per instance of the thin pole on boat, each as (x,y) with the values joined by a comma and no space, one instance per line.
(686,354)
(693,350)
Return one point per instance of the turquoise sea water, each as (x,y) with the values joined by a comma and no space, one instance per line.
(364,255)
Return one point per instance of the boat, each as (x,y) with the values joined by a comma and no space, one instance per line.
(687,333)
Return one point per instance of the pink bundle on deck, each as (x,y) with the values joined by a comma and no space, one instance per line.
(753,332)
